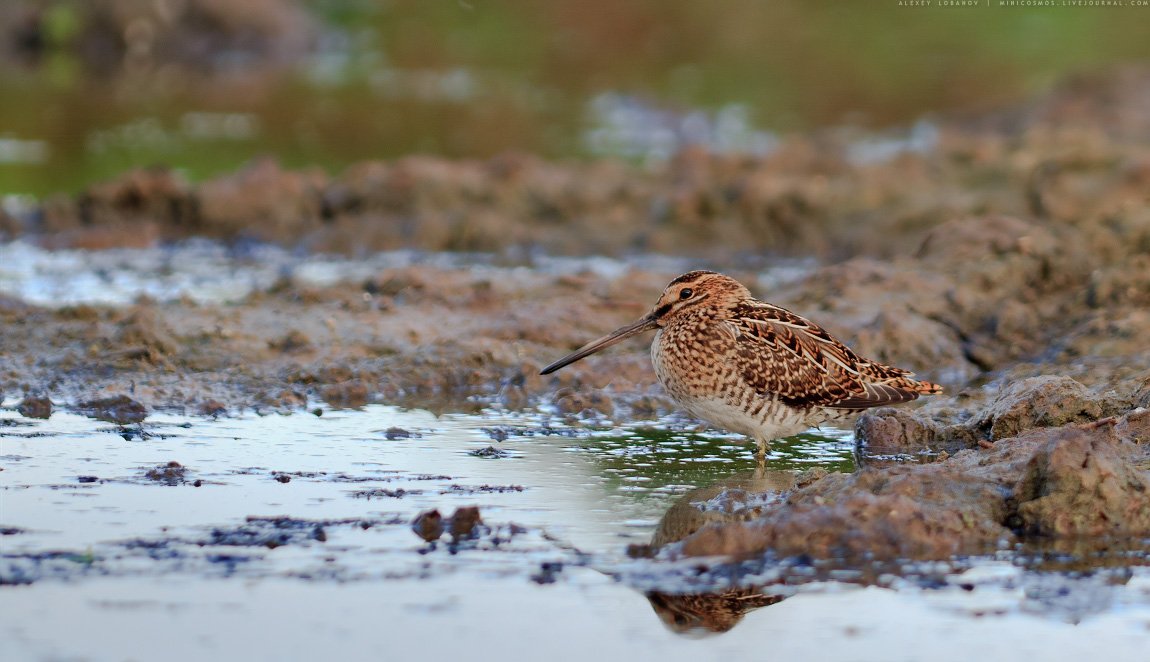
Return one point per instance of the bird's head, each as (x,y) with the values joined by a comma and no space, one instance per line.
(690,292)
(697,290)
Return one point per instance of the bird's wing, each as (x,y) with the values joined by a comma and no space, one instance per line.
(796,360)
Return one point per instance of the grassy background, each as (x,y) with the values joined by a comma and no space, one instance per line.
(472,78)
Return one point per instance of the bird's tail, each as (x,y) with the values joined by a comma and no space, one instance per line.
(916,386)
(898,378)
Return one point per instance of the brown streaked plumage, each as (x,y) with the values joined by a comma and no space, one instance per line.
(752,367)
(708,612)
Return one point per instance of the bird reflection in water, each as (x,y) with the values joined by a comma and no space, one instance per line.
(708,613)
(738,498)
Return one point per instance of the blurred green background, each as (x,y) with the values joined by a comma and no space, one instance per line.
(90,88)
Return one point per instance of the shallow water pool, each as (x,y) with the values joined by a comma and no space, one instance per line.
(284,536)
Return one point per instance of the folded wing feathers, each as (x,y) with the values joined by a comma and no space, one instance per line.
(829,374)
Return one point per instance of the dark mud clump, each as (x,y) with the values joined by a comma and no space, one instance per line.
(384,492)
(1039,402)
(490,452)
(173,473)
(429,525)
(465,524)
(272,532)
(23,569)
(119,409)
(548,573)
(35,407)
(482,489)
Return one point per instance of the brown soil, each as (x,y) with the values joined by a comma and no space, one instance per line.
(1008,263)
(1078,481)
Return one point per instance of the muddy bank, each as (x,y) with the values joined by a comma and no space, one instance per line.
(1011,244)
(1015,458)
(1086,481)
(412,336)
(1007,262)
(1077,156)
(1044,460)
(1003,300)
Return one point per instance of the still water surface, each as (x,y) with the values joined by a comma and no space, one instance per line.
(124,566)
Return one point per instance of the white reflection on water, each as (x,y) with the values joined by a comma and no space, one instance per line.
(211,273)
(369,593)
(579,485)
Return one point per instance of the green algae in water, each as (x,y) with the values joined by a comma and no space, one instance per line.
(661,459)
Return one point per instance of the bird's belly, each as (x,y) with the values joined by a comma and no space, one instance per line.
(772,421)
(704,384)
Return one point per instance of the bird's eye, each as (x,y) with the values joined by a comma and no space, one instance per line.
(686,293)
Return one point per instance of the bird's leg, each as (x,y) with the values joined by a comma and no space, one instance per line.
(761,454)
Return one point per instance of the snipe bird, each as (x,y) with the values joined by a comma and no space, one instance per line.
(752,367)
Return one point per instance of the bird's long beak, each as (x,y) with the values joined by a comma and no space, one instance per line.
(645,324)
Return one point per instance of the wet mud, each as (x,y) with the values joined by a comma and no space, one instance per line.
(1007,262)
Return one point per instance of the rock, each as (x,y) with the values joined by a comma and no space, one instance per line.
(393,433)
(738,498)
(887,431)
(1078,480)
(1083,484)
(35,407)
(1021,405)
(119,409)
(465,523)
(872,514)
(428,525)
(896,430)
(1047,401)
